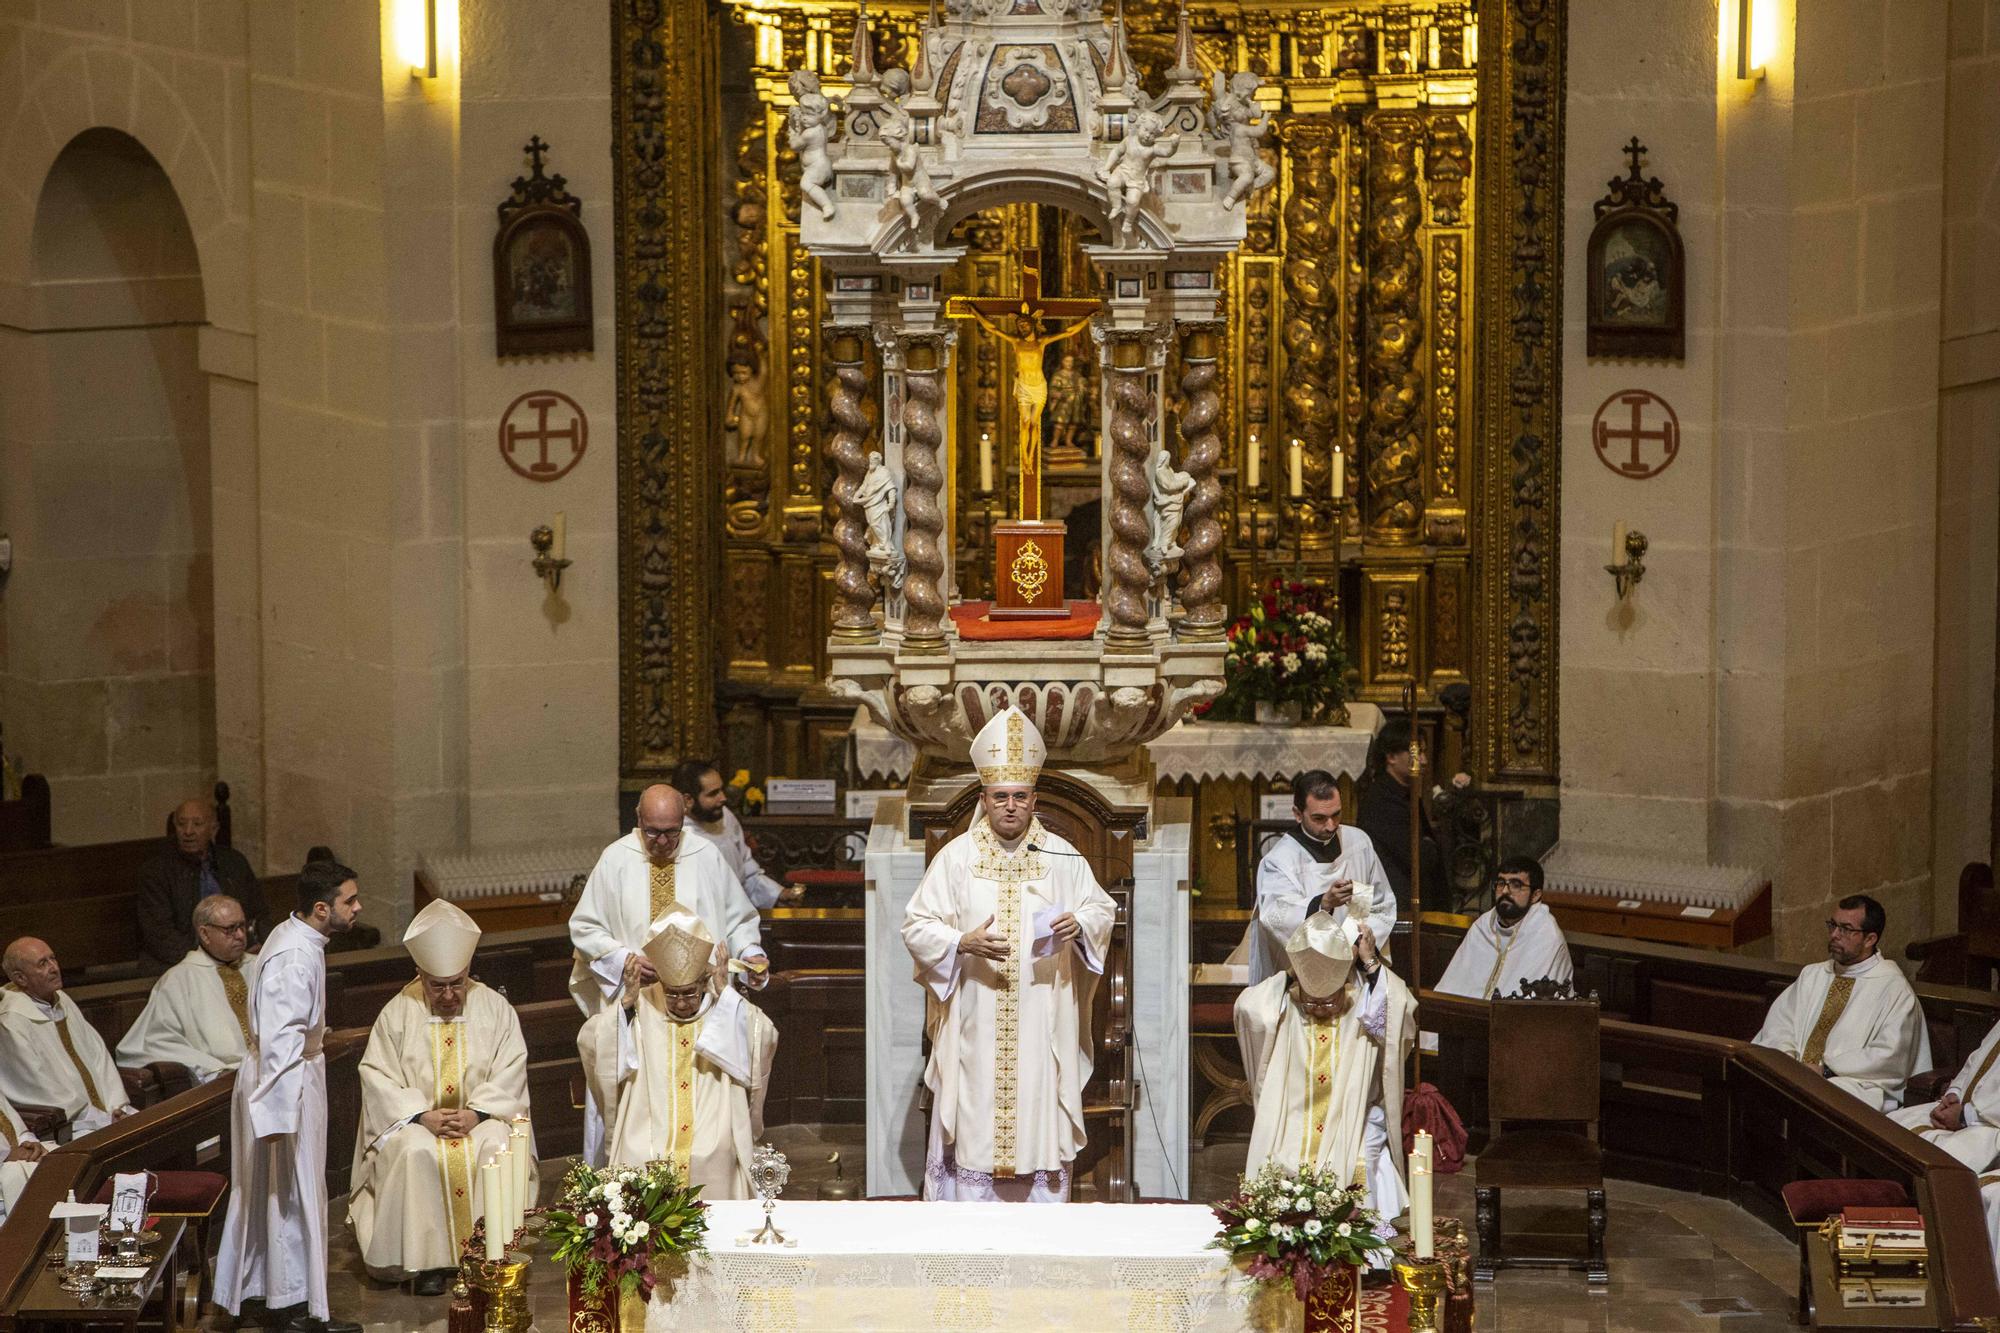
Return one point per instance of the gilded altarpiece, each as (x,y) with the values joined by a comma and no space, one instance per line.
(1418,201)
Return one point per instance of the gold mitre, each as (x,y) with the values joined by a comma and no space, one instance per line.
(1008,751)
(441,939)
(1320,956)
(681,950)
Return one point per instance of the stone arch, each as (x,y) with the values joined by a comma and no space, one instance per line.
(966,197)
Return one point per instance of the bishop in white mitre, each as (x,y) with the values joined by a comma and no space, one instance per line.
(1008,929)
(639,879)
(1853,1018)
(681,1064)
(1316,865)
(50,1055)
(1514,941)
(22,1150)
(1323,1050)
(443,1082)
(198,1015)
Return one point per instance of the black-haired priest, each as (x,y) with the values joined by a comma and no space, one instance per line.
(1008,930)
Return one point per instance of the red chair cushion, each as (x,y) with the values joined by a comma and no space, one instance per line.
(1217,1018)
(1811,1202)
(825,879)
(189,1193)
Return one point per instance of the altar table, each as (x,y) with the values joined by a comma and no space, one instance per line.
(968,1266)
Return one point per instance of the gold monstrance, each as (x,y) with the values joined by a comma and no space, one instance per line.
(1028,561)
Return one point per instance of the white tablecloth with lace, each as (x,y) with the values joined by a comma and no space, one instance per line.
(968,1266)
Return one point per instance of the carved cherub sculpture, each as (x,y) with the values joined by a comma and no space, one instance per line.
(1238,123)
(745,414)
(1170,493)
(808,131)
(876,496)
(914,191)
(1129,170)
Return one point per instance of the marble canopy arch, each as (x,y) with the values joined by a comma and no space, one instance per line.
(694,234)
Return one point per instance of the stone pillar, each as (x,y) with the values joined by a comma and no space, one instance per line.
(853,600)
(1201,592)
(1126,579)
(925,356)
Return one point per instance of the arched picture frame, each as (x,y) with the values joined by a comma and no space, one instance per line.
(541,267)
(1636,271)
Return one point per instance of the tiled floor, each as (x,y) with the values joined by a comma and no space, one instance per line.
(1670,1252)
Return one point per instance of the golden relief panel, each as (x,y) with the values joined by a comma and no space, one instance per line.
(1417,150)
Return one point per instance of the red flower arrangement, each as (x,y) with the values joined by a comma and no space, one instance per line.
(1286,649)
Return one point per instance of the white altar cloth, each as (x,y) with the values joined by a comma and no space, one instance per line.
(968,1266)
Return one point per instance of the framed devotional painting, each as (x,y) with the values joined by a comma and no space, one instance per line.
(1636,271)
(541,267)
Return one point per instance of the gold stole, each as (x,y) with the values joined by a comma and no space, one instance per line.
(83,1070)
(661,881)
(1007,1033)
(7,1132)
(237,992)
(454,1155)
(1500,958)
(681,1075)
(1322,1059)
(1837,996)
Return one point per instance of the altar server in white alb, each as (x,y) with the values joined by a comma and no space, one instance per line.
(1965,1121)
(442,1082)
(651,871)
(1854,1017)
(1515,940)
(20,1150)
(709,816)
(274,1238)
(1008,930)
(50,1055)
(681,1064)
(1318,865)
(198,1015)
(1323,1052)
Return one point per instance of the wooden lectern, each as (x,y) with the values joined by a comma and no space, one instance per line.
(1028,577)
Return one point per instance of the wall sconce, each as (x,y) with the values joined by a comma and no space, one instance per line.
(549,563)
(1628,549)
(417,36)
(1756,37)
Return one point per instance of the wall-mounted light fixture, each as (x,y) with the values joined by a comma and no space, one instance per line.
(549,562)
(1756,36)
(417,36)
(1628,550)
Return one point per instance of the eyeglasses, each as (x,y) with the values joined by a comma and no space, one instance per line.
(656,834)
(239,928)
(1842,928)
(1514,882)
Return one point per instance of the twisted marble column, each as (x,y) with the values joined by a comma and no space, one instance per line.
(1126,578)
(923,479)
(853,600)
(1201,591)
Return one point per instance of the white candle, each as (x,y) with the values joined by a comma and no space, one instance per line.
(985,462)
(518,1144)
(489,1201)
(1339,474)
(1420,1208)
(506,1163)
(1256,452)
(1298,470)
(1618,542)
(562,533)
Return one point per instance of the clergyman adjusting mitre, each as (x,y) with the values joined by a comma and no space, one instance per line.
(1008,931)
(681,1063)
(443,1080)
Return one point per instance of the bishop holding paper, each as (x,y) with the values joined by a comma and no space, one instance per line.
(1008,930)
(443,1080)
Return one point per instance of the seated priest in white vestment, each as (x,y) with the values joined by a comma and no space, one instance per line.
(442,1082)
(198,1015)
(681,1063)
(1323,1051)
(1965,1121)
(50,1055)
(1515,940)
(1008,929)
(709,816)
(17,1163)
(1989,1198)
(1854,1017)
(1317,865)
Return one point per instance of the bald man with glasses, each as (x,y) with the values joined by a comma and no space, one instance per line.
(1854,1018)
(198,1015)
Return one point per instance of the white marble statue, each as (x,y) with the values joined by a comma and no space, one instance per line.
(1238,123)
(1170,493)
(914,192)
(1129,170)
(808,129)
(876,497)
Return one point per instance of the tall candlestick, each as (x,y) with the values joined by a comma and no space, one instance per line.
(506,1161)
(489,1202)
(985,462)
(518,1145)
(1298,468)
(1256,451)
(1422,1237)
(1339,474)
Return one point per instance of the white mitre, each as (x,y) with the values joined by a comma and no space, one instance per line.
(1008,751)
(441,939)
(1320,955)
(681,950)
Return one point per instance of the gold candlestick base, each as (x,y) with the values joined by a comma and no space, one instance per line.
(505,1284)
(1423,1279)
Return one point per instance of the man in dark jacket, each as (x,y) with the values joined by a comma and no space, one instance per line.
(1382,811)
(188,869)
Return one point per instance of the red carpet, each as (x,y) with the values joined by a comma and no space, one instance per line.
(974,623)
